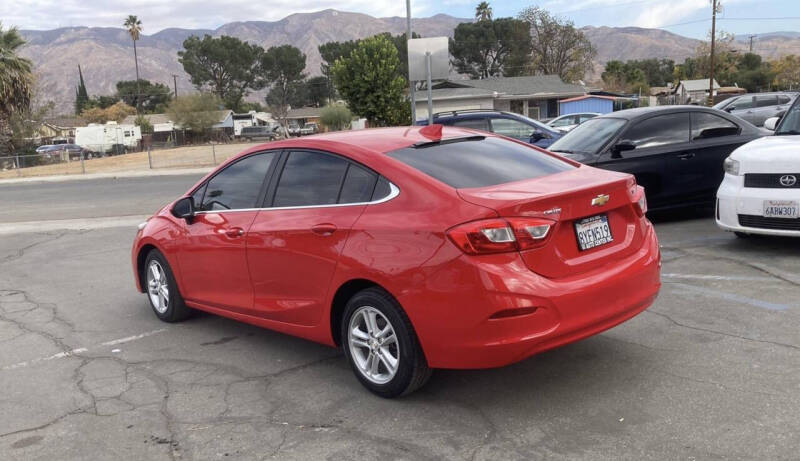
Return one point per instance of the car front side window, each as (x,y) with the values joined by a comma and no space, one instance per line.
(238,186)
(660,130)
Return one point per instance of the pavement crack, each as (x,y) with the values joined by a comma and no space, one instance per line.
(721,333)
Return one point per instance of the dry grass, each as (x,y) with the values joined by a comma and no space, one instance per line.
(181,157)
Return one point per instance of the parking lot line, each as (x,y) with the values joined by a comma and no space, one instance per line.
(731,297)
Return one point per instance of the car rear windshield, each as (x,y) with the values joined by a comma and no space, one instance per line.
(479,161)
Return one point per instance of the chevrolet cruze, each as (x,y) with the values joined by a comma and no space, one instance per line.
(410,248)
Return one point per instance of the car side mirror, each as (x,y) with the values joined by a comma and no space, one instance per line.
(622,146)
(537,136)
(184,209)
(771,123)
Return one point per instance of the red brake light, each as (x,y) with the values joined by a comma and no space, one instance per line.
(500,235)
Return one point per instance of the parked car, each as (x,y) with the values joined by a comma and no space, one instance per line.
(46,148)
(258,133)
(675,152)
(309,128)
(505,123)
(411,248)
(57,151)
(761,190)
(756,108)
(293,128)
(567,122)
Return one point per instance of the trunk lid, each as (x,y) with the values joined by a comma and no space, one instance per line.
(566,198)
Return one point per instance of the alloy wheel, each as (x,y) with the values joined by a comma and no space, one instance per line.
(373,345)
(158,287)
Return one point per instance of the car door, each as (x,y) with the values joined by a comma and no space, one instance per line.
(743,108)
(213,260)
(294,244)
(660,143)
(713,139)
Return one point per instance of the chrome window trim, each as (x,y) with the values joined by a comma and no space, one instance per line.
(394,191)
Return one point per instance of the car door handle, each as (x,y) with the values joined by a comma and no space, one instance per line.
(324,230)
(234,232)
(686,156)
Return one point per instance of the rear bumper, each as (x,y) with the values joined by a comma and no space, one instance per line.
(462,333)
(734,199)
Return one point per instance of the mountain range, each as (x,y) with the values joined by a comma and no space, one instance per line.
(105,54)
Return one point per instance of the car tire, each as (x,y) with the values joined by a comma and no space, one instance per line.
(162,290)
(381,345)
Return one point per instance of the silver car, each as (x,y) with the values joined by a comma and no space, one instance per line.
(756,108)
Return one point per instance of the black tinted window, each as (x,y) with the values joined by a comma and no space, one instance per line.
(238,185)
(310,178)
(358,185)
(382,189)
(764,101)
(480,163)
(782,99)
(660,130)
(474,123)
(705,125)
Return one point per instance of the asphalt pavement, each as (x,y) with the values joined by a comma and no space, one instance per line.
(710,371)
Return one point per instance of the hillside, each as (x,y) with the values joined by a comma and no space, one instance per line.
(106,55)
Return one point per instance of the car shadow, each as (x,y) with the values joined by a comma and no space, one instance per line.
(680,214)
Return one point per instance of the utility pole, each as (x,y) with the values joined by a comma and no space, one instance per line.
(175,84)
(751,42)
(410,82)
(714,6)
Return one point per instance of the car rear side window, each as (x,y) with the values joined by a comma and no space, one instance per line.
(310,178)
(705,125)
(474,123)
(238,185)
(358,185)
(766,101)
(479,162)
(660,130)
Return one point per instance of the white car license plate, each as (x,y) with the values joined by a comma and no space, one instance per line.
(593,232)
(781,209)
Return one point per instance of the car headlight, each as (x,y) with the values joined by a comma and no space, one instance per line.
(731,166)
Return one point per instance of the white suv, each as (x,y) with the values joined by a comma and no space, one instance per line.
(760,193)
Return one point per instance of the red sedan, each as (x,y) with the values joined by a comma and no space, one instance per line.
(411,248)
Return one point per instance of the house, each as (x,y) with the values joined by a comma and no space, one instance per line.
(692,91)
(303,115)
(587,103)
(534,96)
(58,129)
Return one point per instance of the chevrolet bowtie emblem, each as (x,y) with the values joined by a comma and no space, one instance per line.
(600,200)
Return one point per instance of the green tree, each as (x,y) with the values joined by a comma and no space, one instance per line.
(557,46)
(196,112)
(483,12)
(81,95)
(134,26)
(787,72)
(491,48)
(102,101)
(753,74)
(337,117)
(144,124)
(225,65)
(282,67)
(317,90)
(116,112)
(330,52)
(369,81)
(151,96)
(614,75)
(16,81)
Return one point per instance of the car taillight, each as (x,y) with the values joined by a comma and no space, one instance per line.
(640,201)
(500,235)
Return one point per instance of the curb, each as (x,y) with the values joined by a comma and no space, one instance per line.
(110,175)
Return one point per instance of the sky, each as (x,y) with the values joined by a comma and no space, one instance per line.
(685,17)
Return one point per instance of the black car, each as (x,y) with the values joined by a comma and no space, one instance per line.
(675,152)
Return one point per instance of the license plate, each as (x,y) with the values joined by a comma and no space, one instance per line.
(593,232)
(781,209)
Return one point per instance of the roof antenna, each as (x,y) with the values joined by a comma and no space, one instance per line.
(432,132)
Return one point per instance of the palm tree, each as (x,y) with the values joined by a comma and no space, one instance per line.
(16,80)
(134,26)
(483,12)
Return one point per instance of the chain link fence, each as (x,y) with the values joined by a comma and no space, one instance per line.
(116,158)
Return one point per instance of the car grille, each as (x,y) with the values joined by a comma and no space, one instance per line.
(770,180)
(761,222)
